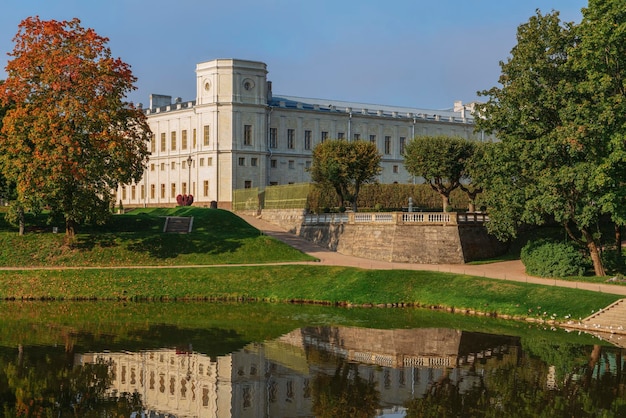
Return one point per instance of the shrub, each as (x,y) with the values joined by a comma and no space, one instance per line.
(546,258)
(612,260)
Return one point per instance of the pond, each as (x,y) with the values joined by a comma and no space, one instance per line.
(277,360)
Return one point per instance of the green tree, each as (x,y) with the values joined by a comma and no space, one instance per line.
(69,138)
(345,166)
(560,114)
(328,167)
(474,165)
(440,160)
(601,108)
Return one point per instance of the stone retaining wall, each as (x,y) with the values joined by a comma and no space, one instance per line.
(402,243)
(288,219)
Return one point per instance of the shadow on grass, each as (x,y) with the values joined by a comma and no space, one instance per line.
(164,246)
(215,232)
(89,242)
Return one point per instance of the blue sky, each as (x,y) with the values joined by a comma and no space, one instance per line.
(416,53)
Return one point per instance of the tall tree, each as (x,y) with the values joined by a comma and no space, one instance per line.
(601,109)
(363,166)
(15,214)
(69,137)
(345,166)
(6,189)
(560,114)
(329,167)
(474,165)
(440,160)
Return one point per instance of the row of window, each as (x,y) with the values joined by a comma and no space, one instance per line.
(291,133)
(273,163)
(273,140)
(162,190)
(242,161)
(183,141)
(201,162)
(205,184)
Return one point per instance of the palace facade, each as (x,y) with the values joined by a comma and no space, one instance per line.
(237,134)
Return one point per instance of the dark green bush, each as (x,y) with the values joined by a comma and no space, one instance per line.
(612,260)
(546,258)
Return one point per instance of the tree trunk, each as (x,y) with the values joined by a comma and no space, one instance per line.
(339,192)
(70,229)
(471,196)
(20,221)
(594,357)
(618,244)
(445,201)
(594,253)
(357,189)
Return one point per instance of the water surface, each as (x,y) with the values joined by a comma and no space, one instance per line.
(263,360)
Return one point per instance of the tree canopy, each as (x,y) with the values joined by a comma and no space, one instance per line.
(345,166)
(441,160)
(560,113)
(69,137)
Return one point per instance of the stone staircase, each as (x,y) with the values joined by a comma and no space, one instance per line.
(178,224)
(608,324)
(610,319)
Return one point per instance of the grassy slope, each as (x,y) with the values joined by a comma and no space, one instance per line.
(222,238)
(135,238)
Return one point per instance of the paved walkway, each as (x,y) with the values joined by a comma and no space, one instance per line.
(506,270)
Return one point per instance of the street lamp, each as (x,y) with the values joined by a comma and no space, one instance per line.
(189,161)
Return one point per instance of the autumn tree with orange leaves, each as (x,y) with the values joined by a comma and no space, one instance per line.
(69,137)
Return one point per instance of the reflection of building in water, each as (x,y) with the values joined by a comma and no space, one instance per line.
(274,379)
(242,384)
(412,360)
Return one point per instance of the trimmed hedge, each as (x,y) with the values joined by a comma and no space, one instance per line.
(372,197)
(388,197)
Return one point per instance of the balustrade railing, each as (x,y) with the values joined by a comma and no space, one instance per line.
(373,217)
(472,217)
(325,218)
(449,218)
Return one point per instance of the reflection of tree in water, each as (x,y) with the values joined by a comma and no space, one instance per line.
(520,389)
(41,383)
(345,394)
(443,399)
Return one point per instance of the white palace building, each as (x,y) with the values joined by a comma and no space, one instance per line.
(237,134)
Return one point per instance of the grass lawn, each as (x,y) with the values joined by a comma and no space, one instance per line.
(341,285)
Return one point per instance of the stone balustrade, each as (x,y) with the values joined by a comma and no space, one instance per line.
(397,218)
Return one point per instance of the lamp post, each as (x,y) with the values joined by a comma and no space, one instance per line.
(189,161)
